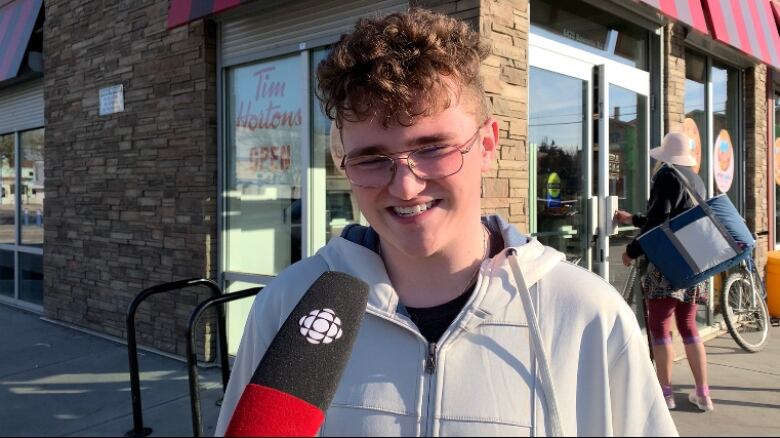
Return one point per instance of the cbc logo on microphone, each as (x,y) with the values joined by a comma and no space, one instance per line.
(321,326)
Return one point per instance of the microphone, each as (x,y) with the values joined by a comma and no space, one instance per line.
(297,378)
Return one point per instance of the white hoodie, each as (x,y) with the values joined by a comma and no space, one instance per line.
(484,376)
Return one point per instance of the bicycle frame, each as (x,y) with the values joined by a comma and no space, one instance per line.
(752,269)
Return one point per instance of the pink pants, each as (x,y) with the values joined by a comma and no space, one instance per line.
(660,320)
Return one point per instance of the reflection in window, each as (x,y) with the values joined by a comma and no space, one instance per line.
(627,150)
(340,206)
(777,166)
(7,273)
(726,146)
(263,175)
(31,278)
(593,29)
(556,131)
(695,124)
(7,184)
(32,177)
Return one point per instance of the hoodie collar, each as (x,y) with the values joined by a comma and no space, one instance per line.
(536,260)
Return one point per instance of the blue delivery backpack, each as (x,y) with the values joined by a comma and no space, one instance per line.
(700,242)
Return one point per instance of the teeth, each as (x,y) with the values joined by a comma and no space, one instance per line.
(412,211)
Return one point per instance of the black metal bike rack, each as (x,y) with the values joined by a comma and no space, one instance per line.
(192,359)
(132,347)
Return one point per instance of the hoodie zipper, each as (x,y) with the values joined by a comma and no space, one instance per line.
(430,376)
(430,360)
(430,364)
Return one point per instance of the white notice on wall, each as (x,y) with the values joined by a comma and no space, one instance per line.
(112,100)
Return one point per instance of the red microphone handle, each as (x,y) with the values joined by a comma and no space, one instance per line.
(264,411)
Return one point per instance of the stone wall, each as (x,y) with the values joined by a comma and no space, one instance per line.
(505,23)
(131,195)
(756,159)
(674,77)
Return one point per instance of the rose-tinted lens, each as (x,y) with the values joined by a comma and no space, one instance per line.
(437,162)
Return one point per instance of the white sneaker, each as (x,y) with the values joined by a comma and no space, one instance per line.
(704,403)
(670,402)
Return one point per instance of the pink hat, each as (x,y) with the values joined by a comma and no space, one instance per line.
(675,149)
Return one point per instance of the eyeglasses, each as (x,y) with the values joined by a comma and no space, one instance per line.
(427,162)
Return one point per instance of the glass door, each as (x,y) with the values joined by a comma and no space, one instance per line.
(559,130)
(621,151)
(587,160)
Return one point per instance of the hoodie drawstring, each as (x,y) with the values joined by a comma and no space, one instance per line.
(536,342)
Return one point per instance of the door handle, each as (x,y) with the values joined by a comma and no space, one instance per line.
(593,216)
(610,207)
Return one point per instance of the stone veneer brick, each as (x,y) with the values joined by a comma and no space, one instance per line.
(132,194)
(674,77)
(756,158)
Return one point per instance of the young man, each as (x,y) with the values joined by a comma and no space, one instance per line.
(471,328)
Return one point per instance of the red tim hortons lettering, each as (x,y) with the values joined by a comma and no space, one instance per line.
(269,118)
(270,157)
(265,87)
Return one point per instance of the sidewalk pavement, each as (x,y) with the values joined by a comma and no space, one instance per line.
(55,380)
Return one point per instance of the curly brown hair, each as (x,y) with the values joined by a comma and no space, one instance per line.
(402,66)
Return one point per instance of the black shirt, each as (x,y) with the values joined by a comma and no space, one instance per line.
(668,198)
(433,321)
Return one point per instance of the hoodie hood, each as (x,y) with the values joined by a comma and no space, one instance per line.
(535,259)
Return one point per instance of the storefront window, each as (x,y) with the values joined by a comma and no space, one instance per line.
(695,124)
(777,167)
(7,183)
(31,278)
(25,280)
(726,146)
(263,176)
(557,134)
(340,206)
(594,30)
(32,187)
(7,273)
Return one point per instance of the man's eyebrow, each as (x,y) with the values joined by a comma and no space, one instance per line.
(375,149)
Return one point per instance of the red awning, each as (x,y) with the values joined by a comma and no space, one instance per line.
(776,10)
(183,11)
(746,25)
(17,19)
(686,11)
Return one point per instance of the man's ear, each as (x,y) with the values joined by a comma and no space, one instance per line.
(489,143)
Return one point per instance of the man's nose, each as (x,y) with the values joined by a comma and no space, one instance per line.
(405,184)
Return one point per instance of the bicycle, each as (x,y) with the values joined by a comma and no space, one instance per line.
(743,304)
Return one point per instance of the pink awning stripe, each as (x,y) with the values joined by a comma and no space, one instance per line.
(752,15)
(17,19)
(182,12)
(746,25)
(685,11)
(774,32)
(739,23)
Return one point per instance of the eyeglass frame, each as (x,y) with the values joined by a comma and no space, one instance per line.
(394,157)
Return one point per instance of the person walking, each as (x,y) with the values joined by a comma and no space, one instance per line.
(668,198)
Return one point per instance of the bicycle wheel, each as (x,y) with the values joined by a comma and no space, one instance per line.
(745,313)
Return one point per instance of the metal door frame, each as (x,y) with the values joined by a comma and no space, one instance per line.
(636,81)
(551,52)
(546,58)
